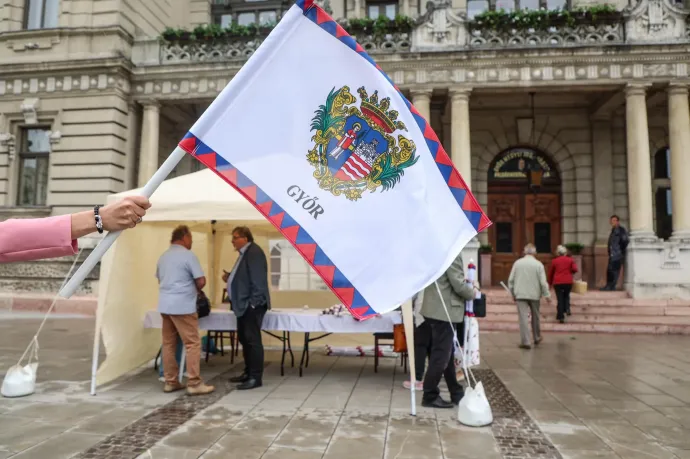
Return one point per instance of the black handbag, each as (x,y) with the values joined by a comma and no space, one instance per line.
(203,305)
(479,306)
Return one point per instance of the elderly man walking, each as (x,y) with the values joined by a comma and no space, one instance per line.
(527,283)
(455,292)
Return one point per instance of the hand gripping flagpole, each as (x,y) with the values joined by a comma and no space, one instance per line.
(92,260)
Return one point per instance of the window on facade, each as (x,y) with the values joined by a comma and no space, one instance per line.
(504,237)
(41,14)
(662,193)
(289,271)
(542,237)
(664,214)
(387,9)
(476,7)
(506,5)
(246,12)
(662,164)
(33,167)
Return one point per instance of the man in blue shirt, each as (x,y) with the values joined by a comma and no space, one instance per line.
(180,278)
(249,299)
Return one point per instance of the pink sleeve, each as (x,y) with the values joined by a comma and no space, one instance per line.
(36,238)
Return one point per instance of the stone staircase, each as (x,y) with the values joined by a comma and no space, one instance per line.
(598,312)
(31,286)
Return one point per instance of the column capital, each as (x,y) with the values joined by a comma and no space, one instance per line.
(459,93)
(421,92)
(150,104)
(636,89)
(677,88)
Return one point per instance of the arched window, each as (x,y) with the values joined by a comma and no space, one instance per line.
(662,193)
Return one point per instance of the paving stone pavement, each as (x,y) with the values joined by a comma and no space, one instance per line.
(575,396)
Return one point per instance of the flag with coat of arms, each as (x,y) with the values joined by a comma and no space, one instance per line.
(320,140)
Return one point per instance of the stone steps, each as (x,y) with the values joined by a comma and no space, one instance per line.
(599,312)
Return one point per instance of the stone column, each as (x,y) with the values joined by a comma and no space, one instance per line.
(460,132)
(421,99)
(148,151)
(639,162)
(679,136)
(133,125)
(602,161)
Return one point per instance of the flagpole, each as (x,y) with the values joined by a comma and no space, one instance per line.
(92,260)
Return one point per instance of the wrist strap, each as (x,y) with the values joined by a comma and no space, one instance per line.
(99,220)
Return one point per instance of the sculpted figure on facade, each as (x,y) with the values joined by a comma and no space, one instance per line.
(654,21)
(439,28)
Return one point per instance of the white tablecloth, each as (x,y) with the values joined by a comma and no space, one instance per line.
(293,320)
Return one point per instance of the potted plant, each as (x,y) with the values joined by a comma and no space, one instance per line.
(575,249)
(485,251)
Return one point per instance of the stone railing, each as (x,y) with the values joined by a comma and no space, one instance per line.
(202,51)
(390,43)
(554,37)
(442,29)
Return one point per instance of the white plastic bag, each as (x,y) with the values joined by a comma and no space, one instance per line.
(21,380)
(474,409)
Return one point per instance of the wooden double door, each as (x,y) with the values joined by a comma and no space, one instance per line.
(519,219)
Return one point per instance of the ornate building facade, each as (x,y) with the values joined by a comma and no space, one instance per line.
(557,120)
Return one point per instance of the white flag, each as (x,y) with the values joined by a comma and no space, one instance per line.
(313,133)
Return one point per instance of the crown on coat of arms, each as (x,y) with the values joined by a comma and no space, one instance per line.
(378,111)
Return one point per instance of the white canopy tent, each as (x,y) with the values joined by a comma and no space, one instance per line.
(128,287)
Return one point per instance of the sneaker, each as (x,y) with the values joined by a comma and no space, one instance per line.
(418,385)
(200,389)
(173,387)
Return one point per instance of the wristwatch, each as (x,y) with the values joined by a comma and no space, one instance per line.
(99,220)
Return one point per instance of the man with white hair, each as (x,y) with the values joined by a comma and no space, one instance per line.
(527,283)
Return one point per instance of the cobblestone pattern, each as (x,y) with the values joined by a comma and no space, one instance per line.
(516,434)
(141,435)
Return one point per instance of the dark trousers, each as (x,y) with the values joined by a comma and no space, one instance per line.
(249,334)
(422,349)
(441,362)
(563,296)
(612,272)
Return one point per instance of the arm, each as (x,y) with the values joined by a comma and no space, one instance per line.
(36,238)
(624,239)
(456,277)
(544,285)
(573,266)
(511,280)
(194,268)
(258,278)
(552,271)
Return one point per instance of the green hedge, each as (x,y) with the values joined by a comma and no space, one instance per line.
(213,32)
(502,21)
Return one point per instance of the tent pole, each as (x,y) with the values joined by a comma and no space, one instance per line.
(408,322)
(92,260)
(94,358)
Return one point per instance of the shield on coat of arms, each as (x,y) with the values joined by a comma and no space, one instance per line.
(354,147)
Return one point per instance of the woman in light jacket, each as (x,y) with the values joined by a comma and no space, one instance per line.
(28,239)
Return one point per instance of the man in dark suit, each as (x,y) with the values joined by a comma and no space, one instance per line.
(618,243)
(249,299)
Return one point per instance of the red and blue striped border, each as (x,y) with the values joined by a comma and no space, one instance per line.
(456,184)
(289,228)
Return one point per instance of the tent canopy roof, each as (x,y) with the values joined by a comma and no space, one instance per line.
(200,196)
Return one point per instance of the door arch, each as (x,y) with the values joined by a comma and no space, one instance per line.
(524,204)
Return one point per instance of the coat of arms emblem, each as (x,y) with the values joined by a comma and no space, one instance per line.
(354,147)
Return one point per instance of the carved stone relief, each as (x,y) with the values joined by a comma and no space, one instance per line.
(654,21)
(439,28)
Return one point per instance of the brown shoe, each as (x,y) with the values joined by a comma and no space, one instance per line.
(173,387)
(525,346)
(200,389)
